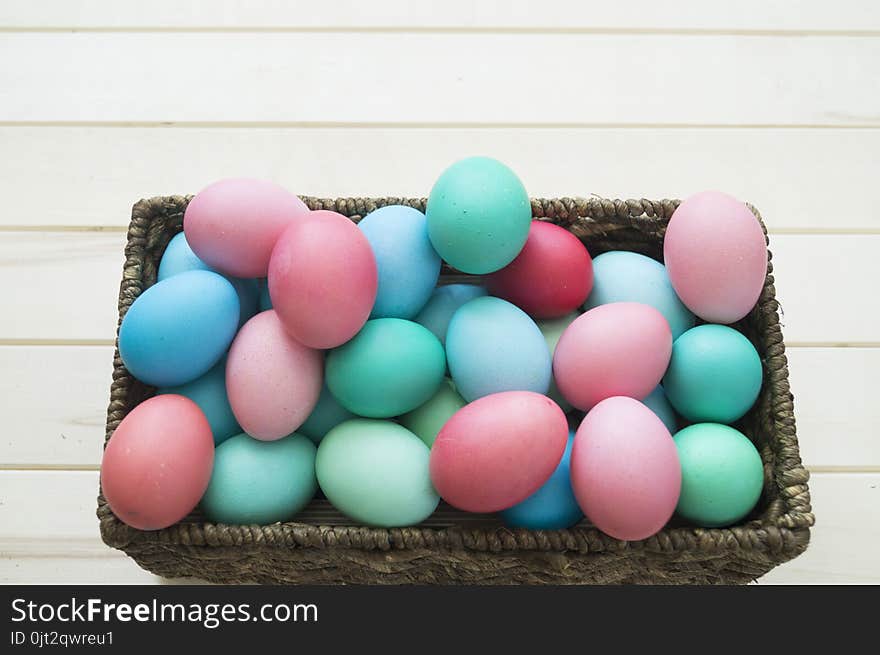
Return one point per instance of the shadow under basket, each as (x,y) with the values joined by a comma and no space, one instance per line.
(323,547)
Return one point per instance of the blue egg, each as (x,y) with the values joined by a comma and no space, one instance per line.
(407,263)
(177,329)
(328,413)
(659,404)
(553,506)
(622,276)
(265,302)
(493,345)
(443,303)
(209,393)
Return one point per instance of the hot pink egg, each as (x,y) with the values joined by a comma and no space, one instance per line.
(716,255)
(232,225)
(618,349)
(323,279)
(273,381)
(158,462)
(498,450)
(625,471)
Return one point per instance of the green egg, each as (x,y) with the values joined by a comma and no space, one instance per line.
(427,420)
(552,330)
(721,474)
(376,472)
(260,482)
(479,215)
(389,368)
(714,374)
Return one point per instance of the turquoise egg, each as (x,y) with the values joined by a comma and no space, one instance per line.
(622,276)
(209,393)
(493,345)
(714,374)
(659,404)
(407,263)
(179,328)
(328,413)
(443,303)
(389,368)
(479,215)
(376,472)
(265,302)
(260,482)
(552,329)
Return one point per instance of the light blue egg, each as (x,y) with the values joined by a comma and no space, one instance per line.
(265,301)
(659,404)
(407,263)
(177,329)
(553,506)
(443,303)
(209,393)
(493,345)
(328,413)
(622,276)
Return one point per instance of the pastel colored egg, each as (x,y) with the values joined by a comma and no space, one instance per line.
(497,451)
(716,254)
(551,276)
(232,225)
(443,303)
(260,482)
(391,367)
(621,349)
(273,381)
(493,345)
(625,470)
(407,264)
(179,328)
(553,506)
(623,276)
(721,475)
(714,374)
(265,302)
(323,279)
(157,463)
(478,215)
(658,403)
(428,419)
(328,413)
(552,329)
(376,472)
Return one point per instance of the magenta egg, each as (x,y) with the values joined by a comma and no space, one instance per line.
(716,255)
(273,381)
(625,471)
(618,349)
(157,464)
(498,450)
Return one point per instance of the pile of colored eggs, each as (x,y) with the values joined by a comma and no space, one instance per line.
(294,350)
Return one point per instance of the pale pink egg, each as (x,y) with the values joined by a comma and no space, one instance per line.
(323,279)
(232,225)
(498,450)
(618,349)
(157,464)
(272,380)
(716,255)
(625,471)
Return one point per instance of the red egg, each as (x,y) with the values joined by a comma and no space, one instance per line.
(323,279)
(551,276)
(157,464)
(498,450)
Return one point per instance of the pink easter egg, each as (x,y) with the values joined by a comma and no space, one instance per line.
(323,279)
(618,349)
(716,255)
(272,380)
(625,471)
(233,224)
(157,464)
(498,450)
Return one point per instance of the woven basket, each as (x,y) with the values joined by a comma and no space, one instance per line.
(457,548)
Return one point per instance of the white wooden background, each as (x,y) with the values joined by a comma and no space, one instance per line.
(103,102)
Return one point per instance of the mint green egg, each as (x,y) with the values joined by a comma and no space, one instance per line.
(376,472)
(721,474)
(552,330)
(389,368)
(478,215)
(260,482)
(427,420)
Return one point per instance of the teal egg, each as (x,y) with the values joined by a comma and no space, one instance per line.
(265,302)
(376,472)
(478,215)
(721,474)
(260,482)
(328,413)
(714,374)
(659,404)
(389,368)
(209,393)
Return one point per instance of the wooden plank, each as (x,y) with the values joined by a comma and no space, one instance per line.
(405,78)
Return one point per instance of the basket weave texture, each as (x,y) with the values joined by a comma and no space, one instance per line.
(322,547)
